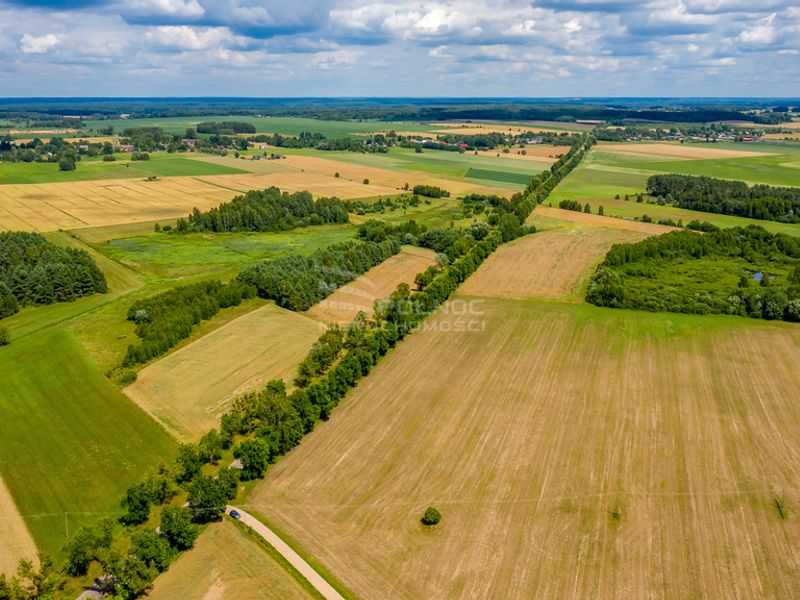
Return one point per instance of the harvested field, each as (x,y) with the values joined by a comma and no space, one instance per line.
(50,206)
(574,452)
(684,151)
(187,390)
(550,264)
(536,153)
(16,542)
(74,205)
(547,212)
(344,304)
(226,564)
(388,178)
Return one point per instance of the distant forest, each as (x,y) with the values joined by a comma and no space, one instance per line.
(35,271)
(403,109)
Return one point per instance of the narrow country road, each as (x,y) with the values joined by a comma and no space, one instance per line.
(294,559)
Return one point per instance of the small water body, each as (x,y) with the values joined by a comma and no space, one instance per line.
(758,275)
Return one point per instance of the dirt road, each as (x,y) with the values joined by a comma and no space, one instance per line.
(306,570)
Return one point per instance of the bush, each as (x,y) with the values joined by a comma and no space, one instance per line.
(5,339)
(109,158)
(67,163)
(127,377)
(140,156)
(431,517)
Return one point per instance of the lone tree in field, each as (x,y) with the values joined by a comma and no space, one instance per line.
(5,339)
(431,517)
(66,164)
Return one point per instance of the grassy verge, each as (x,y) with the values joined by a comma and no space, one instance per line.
(313,562)
(278,557)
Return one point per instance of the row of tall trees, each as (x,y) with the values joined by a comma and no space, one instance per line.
(268,210)
(723,196)
(298,282)
(36,271)
(169,317)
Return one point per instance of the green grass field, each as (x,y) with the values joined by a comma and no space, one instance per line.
(160,164)
(164,255)
(71,442)
(603,175)
(282,125)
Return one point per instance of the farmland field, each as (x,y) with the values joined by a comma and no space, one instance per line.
(283,125)
(188,390)
(15,540)
(76,442)
(344,304)
(161,165)
(573,452)
(50,206)
(165,255)
(550,264)
(620,169)
(227,565)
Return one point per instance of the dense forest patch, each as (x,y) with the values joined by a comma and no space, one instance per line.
(35,271)
(740,271)
(722,196)
(266,210)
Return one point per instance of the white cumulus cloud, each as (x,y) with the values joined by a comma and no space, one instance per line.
(31,44)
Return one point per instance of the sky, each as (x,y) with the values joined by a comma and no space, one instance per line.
(426,48)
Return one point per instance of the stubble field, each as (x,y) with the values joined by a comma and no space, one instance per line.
(188,390)
(16,542)
(573,452)
(344,304)
(227,565)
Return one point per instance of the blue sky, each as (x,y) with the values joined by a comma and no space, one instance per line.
(400,48)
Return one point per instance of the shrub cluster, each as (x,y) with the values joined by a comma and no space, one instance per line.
(165,319)
(298,282)
(35,271)
(722,196)
(651,274)
(431,191)
(267,210)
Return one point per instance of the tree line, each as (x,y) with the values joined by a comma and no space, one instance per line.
(225,127)
(723,196)
(34,271)
(748,271)
(298,282)
(267,210)
(167,318)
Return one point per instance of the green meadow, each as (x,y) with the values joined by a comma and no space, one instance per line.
(71,441)
(160,165)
